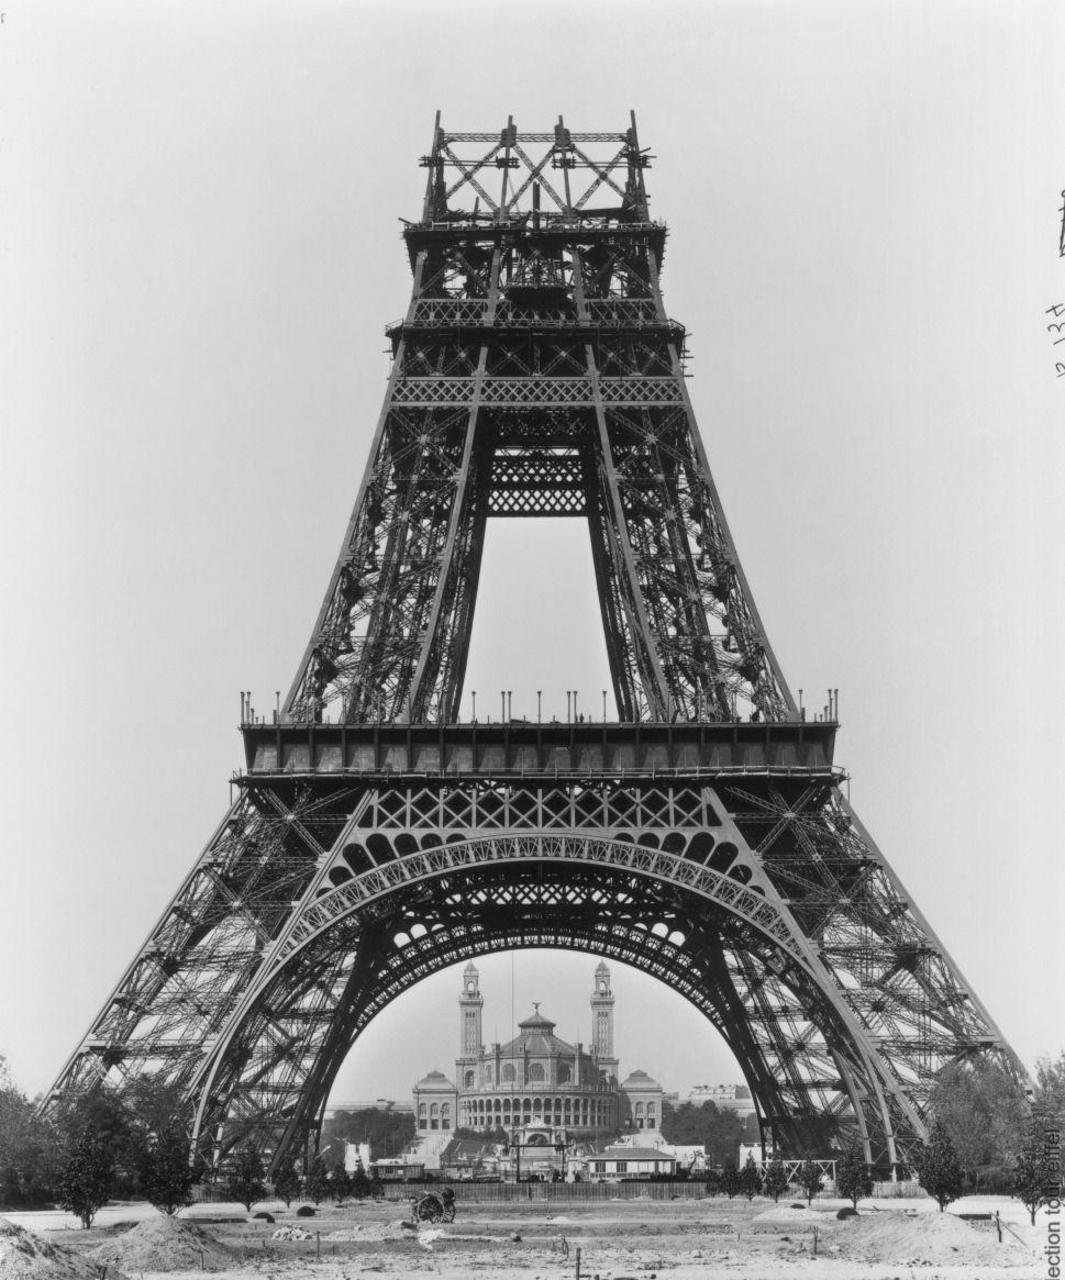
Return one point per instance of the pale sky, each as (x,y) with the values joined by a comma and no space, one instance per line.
(199,251)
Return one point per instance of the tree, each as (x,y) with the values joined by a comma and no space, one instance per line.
(247,1177)
(984,1111)
(361,1186)
(938,1168)
(316,1185)
(730,1179)
(853,1178)
(776,1180)
(1036,1174)
(339,1183)
(750,1180)
(31,1153)
(166,1176)
(87,1178)
(810,1178)
(388,1132)
(286,1182)
(1048,1103)
(716,1130)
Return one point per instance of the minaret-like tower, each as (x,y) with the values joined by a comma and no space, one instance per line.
(602,1003)
(471,1007)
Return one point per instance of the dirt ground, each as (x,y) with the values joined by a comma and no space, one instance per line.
(618,1240)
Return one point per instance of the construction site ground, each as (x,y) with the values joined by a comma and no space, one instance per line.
(636,1239)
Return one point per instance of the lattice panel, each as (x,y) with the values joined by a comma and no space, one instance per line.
(537,483)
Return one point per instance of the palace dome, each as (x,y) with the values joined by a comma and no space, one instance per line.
(537,1037)
(435,1082)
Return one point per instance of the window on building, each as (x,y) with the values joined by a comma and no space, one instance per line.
(434,1116)
(467,1080)
(421,1116)
(445,1116)
(508,1073)
(623,1166)
(564,1074)
(536,1072)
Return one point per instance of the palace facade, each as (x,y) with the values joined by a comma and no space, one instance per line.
(537,1084)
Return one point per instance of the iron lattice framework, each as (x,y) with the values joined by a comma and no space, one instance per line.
(703,838)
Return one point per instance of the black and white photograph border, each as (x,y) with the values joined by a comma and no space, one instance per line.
(201,250)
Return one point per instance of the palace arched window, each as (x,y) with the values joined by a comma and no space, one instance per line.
(536,1073)
(467,1080)
(508,1073)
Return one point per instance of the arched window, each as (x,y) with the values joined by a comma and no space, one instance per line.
(467,1080)
(639,1108)
(536,1073)
(434,1117)
(421,1115)
(488,1075)
(445,1115)
(564,1074)
(651,1115)
(508,1073)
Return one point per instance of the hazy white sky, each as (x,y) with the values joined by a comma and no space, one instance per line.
(199,250)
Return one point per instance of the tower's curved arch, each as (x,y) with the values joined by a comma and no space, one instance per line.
(705,934)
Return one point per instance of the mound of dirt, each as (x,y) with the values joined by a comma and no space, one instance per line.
(926,1238)
(782,1217)
(25,1256)
(165,1244)
(373,1232)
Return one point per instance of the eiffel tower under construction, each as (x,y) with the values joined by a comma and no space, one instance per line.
(702,838)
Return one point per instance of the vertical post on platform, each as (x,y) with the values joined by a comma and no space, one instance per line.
(473,694)
(604,706)
(502,704)
(539,694)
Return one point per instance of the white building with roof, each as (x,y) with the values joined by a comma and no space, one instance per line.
(537,1088)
